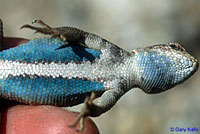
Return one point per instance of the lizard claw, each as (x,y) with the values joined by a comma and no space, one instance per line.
(40,22)
(85,111)
(45,29)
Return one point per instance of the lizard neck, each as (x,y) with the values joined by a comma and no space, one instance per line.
(127,71)
(131,74)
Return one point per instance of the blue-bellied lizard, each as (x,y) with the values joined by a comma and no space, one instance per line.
(73,64)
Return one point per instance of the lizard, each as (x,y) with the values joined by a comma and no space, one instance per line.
(74,66)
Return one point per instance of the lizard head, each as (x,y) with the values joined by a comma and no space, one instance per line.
(161,67)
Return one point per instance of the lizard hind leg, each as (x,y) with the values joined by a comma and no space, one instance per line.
(45,29)
(85,111)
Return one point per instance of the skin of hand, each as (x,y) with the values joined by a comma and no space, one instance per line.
(18,118)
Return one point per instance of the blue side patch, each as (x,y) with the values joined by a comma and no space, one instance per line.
(52,91)
(49,50)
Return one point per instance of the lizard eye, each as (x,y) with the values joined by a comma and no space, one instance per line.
(177,46)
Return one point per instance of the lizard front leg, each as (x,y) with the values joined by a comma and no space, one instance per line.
(96,108)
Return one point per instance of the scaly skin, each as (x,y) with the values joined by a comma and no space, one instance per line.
(64,71)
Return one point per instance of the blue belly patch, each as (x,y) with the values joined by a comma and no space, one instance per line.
(54,91)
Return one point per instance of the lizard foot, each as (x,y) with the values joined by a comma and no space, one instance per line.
(85,111)
(45,29)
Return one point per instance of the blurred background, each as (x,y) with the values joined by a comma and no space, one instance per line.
(129,24)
